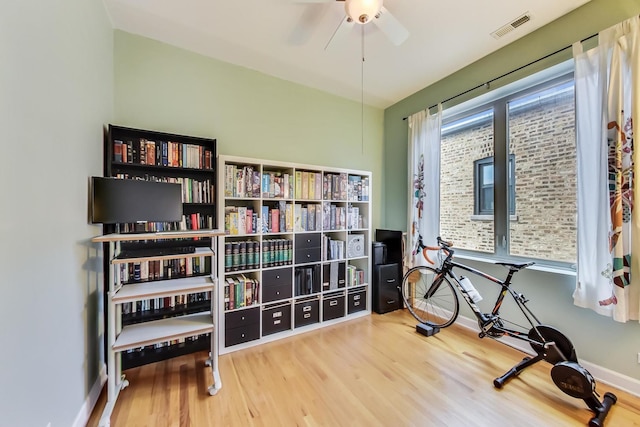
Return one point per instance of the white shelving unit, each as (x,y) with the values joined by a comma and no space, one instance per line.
(294,280)
(121,339)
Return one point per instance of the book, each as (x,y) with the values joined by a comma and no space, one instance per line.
(285,186)
(242,219)
(305,185)
(312,185)
(304,221)
(282,213)
(288,217)
(298,185)
(249,223)
(318,186)
(266,185)
(242,257)
(333,275)
(248,292)
(266,249)
(275,220)
(297,217)
(117,151)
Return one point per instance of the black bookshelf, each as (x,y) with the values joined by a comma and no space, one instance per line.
(194,160)
(193,163)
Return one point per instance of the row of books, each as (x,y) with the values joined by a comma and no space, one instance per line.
(144,271)
(248,181)
(193,221)
(333,249)
(334,217)
(246,255)
(138,351)
(193,190)
(358,188)
(241,255)
(277,185)
(240,291)
(288,217)
(307,280)
(162,153)
(240,220)
(333,275)
(355,276)
(175,302)
(276,252)
(242,181)
(345,187)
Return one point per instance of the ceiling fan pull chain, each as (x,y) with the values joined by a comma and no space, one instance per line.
(362,91)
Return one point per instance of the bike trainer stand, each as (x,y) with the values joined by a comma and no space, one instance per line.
(426,330)
(567,374)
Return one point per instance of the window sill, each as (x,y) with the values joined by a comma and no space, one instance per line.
(487,218)
(538,266)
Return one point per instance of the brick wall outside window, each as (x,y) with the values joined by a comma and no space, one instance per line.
(542,138)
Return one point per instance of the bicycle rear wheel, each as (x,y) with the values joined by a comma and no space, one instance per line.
(430,297)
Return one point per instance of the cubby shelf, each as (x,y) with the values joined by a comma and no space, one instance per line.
(296,242)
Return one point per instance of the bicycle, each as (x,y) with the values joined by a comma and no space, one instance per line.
(431,296)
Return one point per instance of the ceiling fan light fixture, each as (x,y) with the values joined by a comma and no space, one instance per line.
(362,11)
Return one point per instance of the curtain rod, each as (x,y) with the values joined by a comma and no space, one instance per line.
(506,74)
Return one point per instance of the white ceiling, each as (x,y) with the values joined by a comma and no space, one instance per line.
(287,38)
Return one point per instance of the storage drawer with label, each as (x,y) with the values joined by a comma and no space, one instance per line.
(276,318)
(333,306)
(356,301)
(307,312)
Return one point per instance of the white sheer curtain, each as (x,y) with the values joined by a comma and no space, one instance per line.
(424,181)
(606,81)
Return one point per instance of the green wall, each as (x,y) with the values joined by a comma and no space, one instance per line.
(597,339)
(56,89)
(164,88)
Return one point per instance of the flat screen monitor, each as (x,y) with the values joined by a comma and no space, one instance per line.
(116,200)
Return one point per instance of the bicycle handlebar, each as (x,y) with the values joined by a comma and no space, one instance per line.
(442,245)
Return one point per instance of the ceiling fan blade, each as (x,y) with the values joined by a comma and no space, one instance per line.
(341,31)
(391,27)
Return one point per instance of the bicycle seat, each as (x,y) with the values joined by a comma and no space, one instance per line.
(515,267)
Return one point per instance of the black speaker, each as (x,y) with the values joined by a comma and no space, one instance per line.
(379,251)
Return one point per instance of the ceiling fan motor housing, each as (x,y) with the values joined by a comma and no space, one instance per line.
(362,11)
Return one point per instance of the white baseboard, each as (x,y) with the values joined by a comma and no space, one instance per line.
(90,402)
(604,375)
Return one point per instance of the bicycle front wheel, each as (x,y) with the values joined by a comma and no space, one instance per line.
(430,297)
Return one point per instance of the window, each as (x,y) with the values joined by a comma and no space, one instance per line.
(492,204)
(483,193)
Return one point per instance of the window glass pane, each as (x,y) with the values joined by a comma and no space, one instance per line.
(487,175)
(542,138)
(463,142)
(486,200)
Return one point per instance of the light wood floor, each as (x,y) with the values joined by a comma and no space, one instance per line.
(372,371)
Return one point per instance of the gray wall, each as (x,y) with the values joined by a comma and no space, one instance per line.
(598,339)
(56,93)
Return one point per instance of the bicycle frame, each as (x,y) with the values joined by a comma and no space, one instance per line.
(491,323)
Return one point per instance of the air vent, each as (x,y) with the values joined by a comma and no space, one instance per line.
(506,29)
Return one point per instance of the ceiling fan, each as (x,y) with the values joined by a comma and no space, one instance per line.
(363,12)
